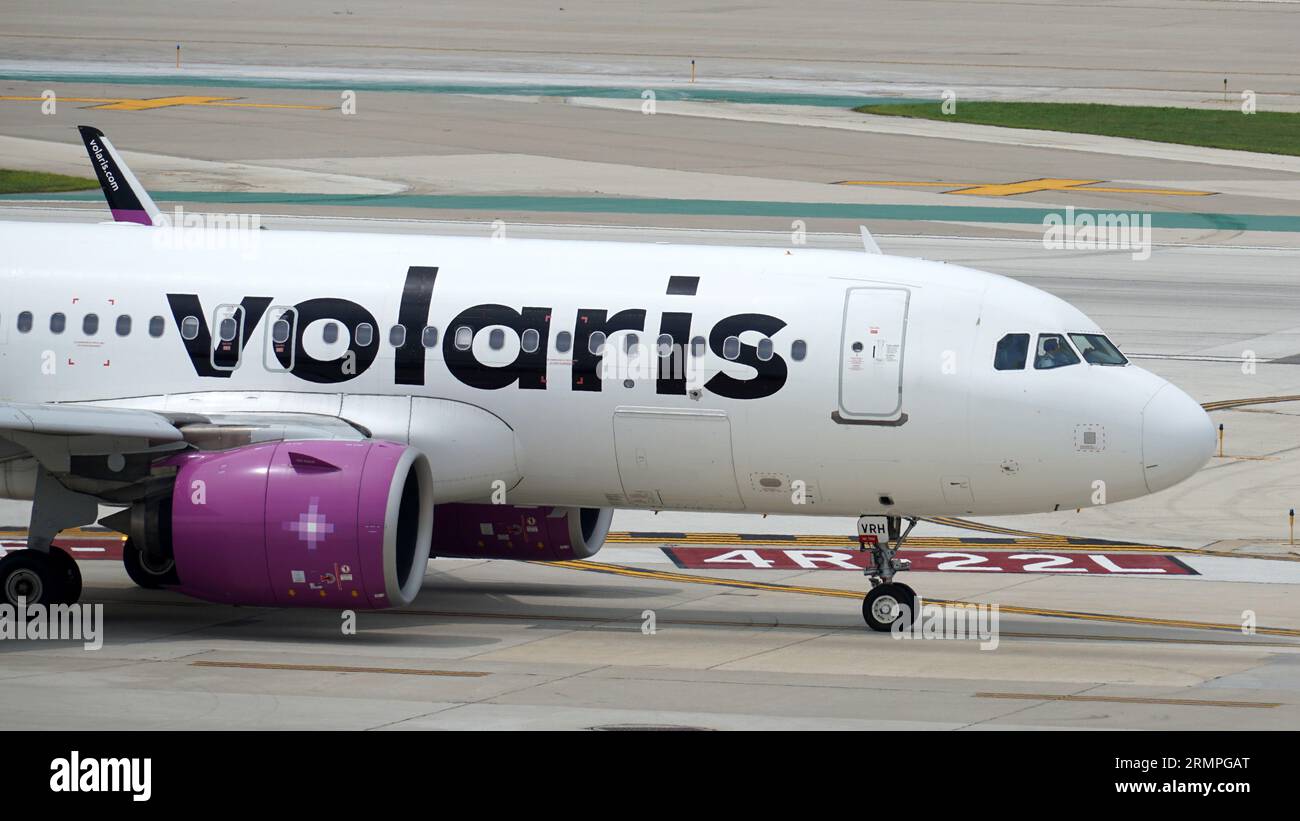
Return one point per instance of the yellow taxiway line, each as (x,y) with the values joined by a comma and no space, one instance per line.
(331,668)
(1182,702)
(1226,404)
(149,104)
(1011,189)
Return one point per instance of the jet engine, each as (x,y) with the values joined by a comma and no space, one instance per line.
(341,524)
(544,534)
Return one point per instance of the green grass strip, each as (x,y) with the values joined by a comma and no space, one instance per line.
(1267,132)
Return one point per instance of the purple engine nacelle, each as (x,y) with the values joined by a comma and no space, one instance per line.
(539,534)
(303,524)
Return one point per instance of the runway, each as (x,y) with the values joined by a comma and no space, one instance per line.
(1125,616)
(1018,50)
(496,645)
(513,129)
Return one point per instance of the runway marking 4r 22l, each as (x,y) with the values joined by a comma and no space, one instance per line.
(963,561)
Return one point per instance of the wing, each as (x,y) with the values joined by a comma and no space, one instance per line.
(70,458)
(84,420)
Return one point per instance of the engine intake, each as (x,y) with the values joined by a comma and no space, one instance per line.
(303,524)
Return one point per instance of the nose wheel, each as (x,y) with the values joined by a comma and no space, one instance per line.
(888,601)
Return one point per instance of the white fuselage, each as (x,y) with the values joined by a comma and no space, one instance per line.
(914,421)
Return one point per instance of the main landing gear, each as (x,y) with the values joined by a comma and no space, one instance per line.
(35,577)
(888,600)
(44,574)
(148,571)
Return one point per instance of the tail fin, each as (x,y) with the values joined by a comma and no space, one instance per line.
(127,199)
(869,242)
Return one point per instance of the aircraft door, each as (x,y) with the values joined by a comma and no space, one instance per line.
(871,353)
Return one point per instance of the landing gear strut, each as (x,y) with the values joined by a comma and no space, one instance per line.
(888,600)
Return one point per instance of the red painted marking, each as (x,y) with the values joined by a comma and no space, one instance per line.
(109,547)
(942,560)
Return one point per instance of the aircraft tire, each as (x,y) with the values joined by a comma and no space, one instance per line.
(886,604)
(147,573)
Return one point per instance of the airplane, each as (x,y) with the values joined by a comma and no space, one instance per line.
(303,418)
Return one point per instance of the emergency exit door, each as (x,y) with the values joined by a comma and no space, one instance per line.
(871,352)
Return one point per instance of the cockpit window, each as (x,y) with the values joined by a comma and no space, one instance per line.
(1098,350)
(1054,352)
(1011,353)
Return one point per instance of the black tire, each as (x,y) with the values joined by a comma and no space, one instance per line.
(887,603)
(69,574)
(145,572)
(31,575)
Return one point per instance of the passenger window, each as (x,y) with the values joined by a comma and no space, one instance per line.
(496,339)
(90,324)
(798,350)
(464,337)
(1012,352)
(280,331)
(563,341)
(397,336)
(24,322)
(365,334)
(429,336)
(630,343)
(530,340)
(330,333)
(596,343)
(156,326)
(1054,352)
(731,347)
(764,349)
(227,329)
(57,323)
(698,347)
(1098,350)
(189,327)
(123,327)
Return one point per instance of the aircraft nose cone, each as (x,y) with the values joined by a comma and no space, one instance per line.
(1177,438)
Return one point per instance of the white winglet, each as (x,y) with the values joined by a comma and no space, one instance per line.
(869,242)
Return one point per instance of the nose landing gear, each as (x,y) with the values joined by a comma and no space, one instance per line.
(888,600)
